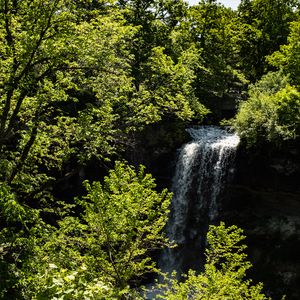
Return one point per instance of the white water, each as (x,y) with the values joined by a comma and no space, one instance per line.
(202,170)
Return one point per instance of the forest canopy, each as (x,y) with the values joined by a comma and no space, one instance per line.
(80,82)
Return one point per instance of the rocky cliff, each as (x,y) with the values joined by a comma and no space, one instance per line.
(264,199)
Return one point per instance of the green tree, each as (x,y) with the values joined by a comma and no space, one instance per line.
(162,77)
(110,246)
(212,29)
(154,20)
(224,276)
(266,27)
(50,58)
(43,60)
(17,235)
(271,114)
(288,58)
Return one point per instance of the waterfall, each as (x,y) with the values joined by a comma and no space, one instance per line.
(203,167)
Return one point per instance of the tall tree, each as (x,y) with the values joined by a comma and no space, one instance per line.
(51,59)
(288,57)
(266,27)
(162,77)
(213,30)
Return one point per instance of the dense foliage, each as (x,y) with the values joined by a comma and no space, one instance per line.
(272,112)
(78,81)
(104,251)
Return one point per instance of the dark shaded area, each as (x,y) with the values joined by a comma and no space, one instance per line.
(156,147)
(264,200)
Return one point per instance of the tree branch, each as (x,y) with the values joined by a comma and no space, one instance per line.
(25,152)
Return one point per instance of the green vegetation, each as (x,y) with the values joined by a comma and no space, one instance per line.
(105,251)
(288,58)
(272,112)
(224,274)
(79,80)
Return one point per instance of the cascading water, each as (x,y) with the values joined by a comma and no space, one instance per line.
(202,169)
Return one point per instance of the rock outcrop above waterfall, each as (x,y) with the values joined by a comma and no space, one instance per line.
(156,148)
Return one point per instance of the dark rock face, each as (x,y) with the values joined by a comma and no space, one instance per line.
(156,148)
(264,200)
